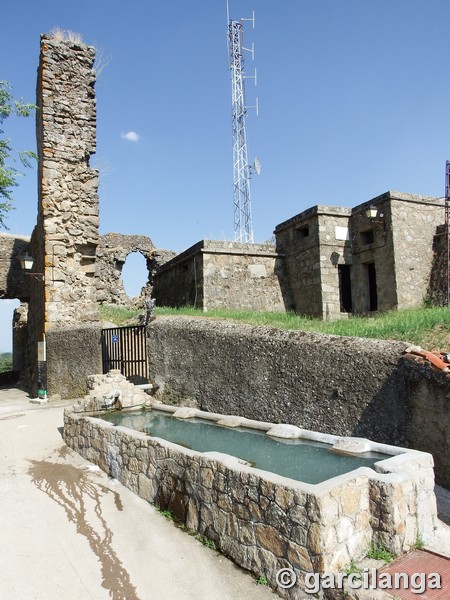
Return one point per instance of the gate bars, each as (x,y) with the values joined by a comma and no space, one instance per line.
(125,349)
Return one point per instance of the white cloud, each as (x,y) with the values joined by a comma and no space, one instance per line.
(131,136)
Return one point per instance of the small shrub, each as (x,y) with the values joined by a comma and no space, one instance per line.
(165,513)
(6,362)
(262,580)
(419,543)
(352,568)
(380,553)
(206,541)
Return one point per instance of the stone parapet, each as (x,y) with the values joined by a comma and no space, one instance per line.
(214,274)
(263,521)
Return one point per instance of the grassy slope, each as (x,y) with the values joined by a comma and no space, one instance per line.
(427,327)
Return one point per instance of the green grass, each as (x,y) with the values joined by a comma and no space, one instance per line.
(206,541)
(380,553)
(119,315)
(165,513)
(419,544)
(427,327)
(353,568)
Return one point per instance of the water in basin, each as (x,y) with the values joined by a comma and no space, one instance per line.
(303,460)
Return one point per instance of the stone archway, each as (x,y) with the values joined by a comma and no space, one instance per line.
(112,252)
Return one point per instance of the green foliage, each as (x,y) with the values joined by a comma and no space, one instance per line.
(165,513)
(380,553)
(352,568)
(119,315)
(262,580)
(206,541)
(419,543)
(427,327)
(8,173)
(6,363)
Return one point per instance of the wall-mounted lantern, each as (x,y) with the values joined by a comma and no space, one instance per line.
(372,212)
(26,263)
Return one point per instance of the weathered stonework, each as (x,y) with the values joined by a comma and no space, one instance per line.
(14,283)
(438,285)
(64,241)
(73,353)
(112,252)
(312,253)
(334,384)
(68,200)
(112,390)
(339,261)
(262,521)
(214,274)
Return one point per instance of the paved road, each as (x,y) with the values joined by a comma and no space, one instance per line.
(69,532)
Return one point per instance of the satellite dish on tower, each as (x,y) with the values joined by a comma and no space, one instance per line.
(256,165)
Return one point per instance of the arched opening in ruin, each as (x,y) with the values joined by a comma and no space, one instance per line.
(134,274)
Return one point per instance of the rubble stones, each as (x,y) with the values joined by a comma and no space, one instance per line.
(112,391)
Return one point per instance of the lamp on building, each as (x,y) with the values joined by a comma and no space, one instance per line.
(26,263)
(372,212)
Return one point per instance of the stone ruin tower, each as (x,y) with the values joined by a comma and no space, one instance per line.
(65,238)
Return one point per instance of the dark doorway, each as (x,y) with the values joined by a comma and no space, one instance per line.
(345,288)
(372,278)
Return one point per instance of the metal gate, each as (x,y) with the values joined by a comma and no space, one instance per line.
(125,348)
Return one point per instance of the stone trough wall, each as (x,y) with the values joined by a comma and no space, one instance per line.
(334,384)
(262,521)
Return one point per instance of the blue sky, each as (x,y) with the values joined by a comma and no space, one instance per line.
(354,100)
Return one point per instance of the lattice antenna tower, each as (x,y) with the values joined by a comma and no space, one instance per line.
(242,171)
(447,225)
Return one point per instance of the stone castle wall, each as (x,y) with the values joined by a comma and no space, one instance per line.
(437,293)
(64,241)
(416,220)
(215,274)
(332,384)
(112,252)
(379,252)
(68,216)
(312,252)
(386,260)
(14,283)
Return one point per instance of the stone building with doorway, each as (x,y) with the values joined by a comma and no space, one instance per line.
(374,257)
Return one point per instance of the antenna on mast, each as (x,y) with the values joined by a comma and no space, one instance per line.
(242,171)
